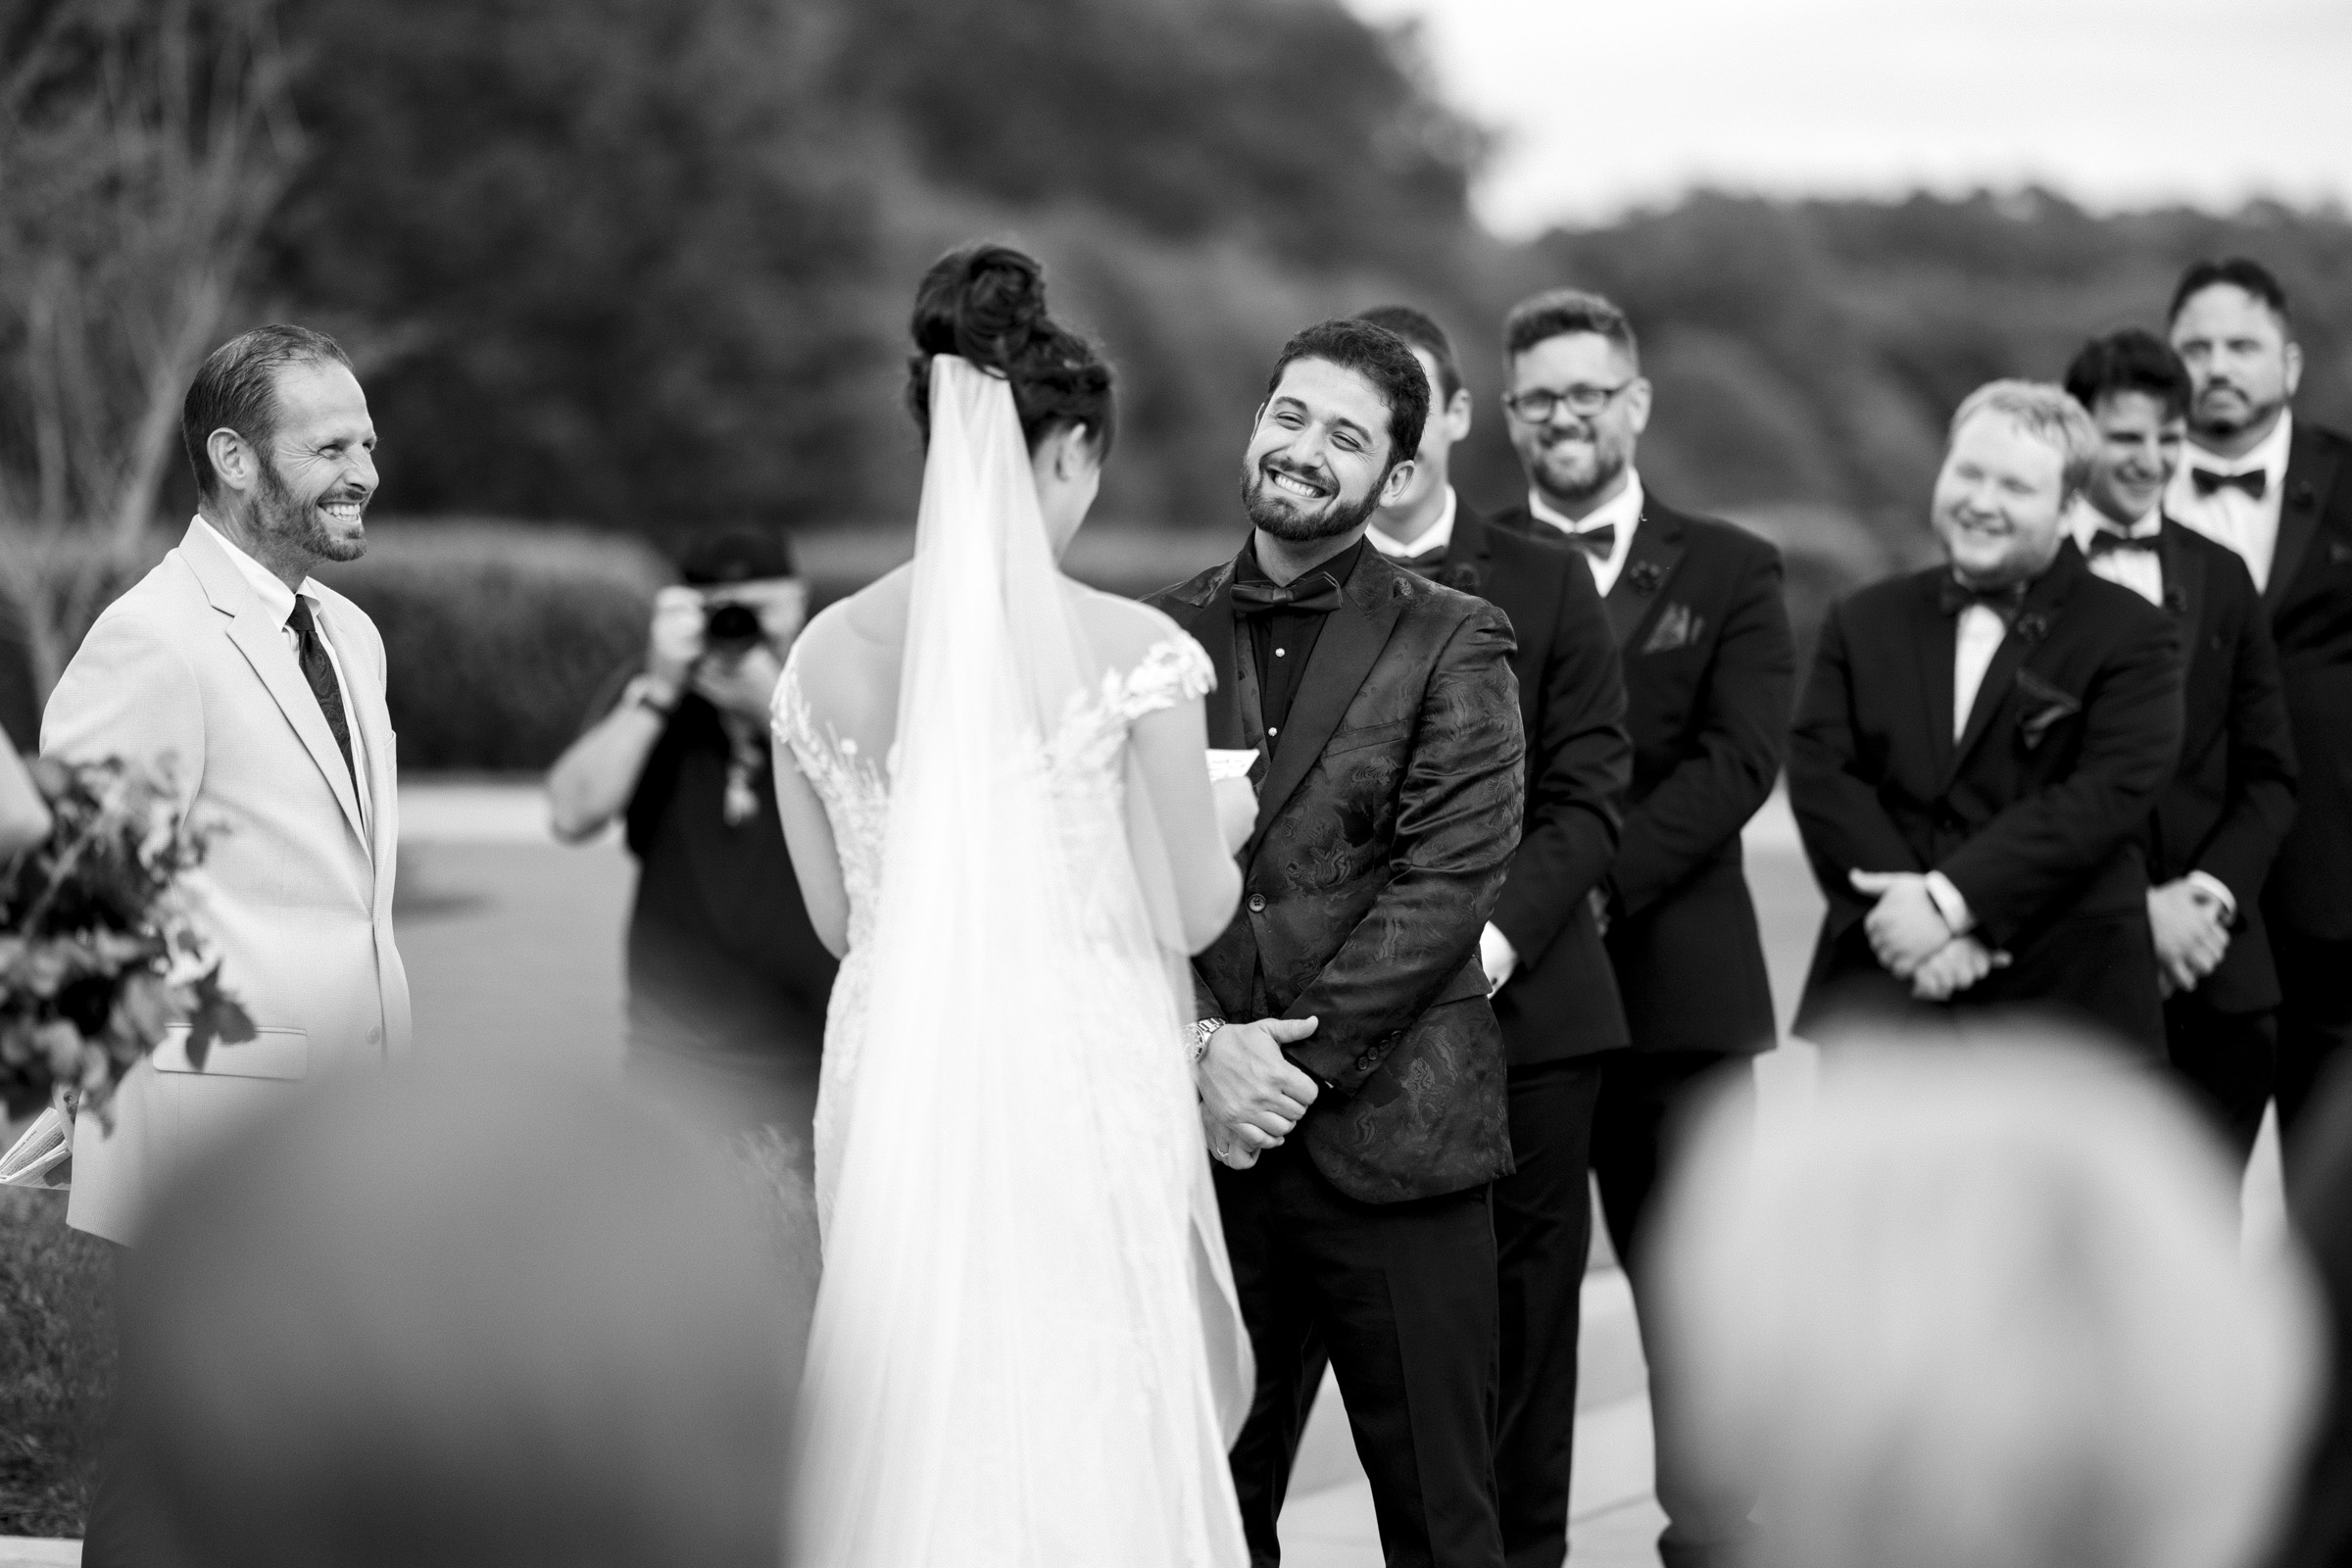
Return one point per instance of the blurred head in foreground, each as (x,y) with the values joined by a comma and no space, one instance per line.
(429,1321)
(1982,1307)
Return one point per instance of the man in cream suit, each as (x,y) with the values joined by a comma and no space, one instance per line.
(262,693)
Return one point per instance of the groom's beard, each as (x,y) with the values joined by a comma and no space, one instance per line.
(1270,510)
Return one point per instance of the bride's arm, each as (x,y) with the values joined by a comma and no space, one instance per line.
(809,835)
(1171,745)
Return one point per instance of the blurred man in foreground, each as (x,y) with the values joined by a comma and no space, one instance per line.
(1554,995)
(727,980)
(1974,1305)
(2232,795)
(509,1323)
(1978,750)
(2278,491)
(1694,605)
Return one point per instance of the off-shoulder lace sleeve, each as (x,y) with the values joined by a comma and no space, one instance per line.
(1175,669)
(788,711)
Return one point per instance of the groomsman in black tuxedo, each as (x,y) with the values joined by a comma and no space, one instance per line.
(2232,795)
(1556,994)
(1978,750)
(1694,608)
(2278,491)
(1347,1056)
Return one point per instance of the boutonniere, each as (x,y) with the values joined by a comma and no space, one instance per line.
(2302,494)
(1463,579)
(2032,627)
(1643,576)
(2176,601)
(2050,706)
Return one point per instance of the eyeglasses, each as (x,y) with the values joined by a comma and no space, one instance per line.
(1538,407)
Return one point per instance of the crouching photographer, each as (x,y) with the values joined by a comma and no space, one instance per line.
(728,982)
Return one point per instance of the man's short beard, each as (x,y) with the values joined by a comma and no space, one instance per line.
(2256,413)
(1288,526)
(280,513)
(1606,467)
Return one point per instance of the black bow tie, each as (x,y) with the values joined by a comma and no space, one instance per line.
(2108,539)
(1599,543)
(2254,481)
(1319,592)
(1954,596)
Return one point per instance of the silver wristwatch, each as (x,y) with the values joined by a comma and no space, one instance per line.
(1202,1033)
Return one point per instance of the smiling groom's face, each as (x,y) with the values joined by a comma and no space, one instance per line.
(1318,458)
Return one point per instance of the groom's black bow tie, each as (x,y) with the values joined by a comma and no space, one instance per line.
(1317,592)
(2108,539)
(1954,596)
(2254,481)
(1599,543)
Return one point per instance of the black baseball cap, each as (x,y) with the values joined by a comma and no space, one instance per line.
(735,555)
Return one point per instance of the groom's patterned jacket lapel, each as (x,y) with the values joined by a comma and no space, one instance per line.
(1387,817)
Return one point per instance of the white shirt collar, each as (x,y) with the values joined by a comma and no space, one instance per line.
(2270,457)
(2088,519)
(1624,510)
(276,598)
(1436,536)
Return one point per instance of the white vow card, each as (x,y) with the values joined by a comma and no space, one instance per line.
(1225,764)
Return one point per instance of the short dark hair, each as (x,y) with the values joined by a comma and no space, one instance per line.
(236,389)
(1419,331)
(2133,360)
(2238,272)
(1381,358)
(1560,312)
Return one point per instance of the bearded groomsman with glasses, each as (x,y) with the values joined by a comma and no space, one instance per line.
(2278,491)
(2211,839)
(1694,605)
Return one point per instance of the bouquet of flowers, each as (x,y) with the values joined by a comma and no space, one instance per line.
(100,947)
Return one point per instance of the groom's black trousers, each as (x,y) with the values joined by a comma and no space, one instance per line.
(1402,1299)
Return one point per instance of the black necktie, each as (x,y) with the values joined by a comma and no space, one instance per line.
(319,671)
(2254,481)
(1954,596)
(1317,590)
(1599,543)
(2108,539)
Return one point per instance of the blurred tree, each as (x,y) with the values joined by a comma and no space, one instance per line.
(143,144)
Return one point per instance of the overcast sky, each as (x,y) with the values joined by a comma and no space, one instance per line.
(2116,103)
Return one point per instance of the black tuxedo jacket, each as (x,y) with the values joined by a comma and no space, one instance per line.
(1562,1001)
(2232,795)
(1388,812)
(2037,815)
(1709,671)
(2309,597)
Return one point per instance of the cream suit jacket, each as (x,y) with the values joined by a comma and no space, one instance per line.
(189,672)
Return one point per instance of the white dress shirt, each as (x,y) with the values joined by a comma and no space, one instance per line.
(1436,536)
(2140,571)
(278,600)
(1622,510)
(2229,515)
(1974,641)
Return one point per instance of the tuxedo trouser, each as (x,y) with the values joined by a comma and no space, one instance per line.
(2226,1061)
(1543,1234)
(2315,1019)
(1644,1098)
(1400,1297)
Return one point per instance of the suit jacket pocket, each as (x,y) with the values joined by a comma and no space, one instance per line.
(2045,707)
(1349,740)
(271,1053)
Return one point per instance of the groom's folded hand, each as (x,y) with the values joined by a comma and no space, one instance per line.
(1250,1088)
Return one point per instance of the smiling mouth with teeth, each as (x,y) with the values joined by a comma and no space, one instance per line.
(1292,484)
(342,510)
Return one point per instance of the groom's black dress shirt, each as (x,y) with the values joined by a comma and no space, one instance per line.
(1284,640)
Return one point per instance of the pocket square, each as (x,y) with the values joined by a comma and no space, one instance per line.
(1678,627)
(2050,707)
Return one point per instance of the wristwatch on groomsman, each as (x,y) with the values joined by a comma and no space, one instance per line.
(1202,1033)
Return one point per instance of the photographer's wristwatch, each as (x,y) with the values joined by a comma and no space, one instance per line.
(1202,1033)
(647,692)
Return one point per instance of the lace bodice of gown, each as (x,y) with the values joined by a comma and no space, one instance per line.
(1083,762)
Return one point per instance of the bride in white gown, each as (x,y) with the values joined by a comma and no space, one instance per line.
(1026,1349)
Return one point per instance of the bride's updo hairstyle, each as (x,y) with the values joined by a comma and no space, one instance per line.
(987,304)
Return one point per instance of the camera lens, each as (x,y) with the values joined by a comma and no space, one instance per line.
(730,624)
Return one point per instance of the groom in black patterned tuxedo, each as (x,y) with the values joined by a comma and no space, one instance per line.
(1347,1058)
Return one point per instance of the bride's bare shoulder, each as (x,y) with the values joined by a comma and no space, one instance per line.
(872,622)
(1122,630)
